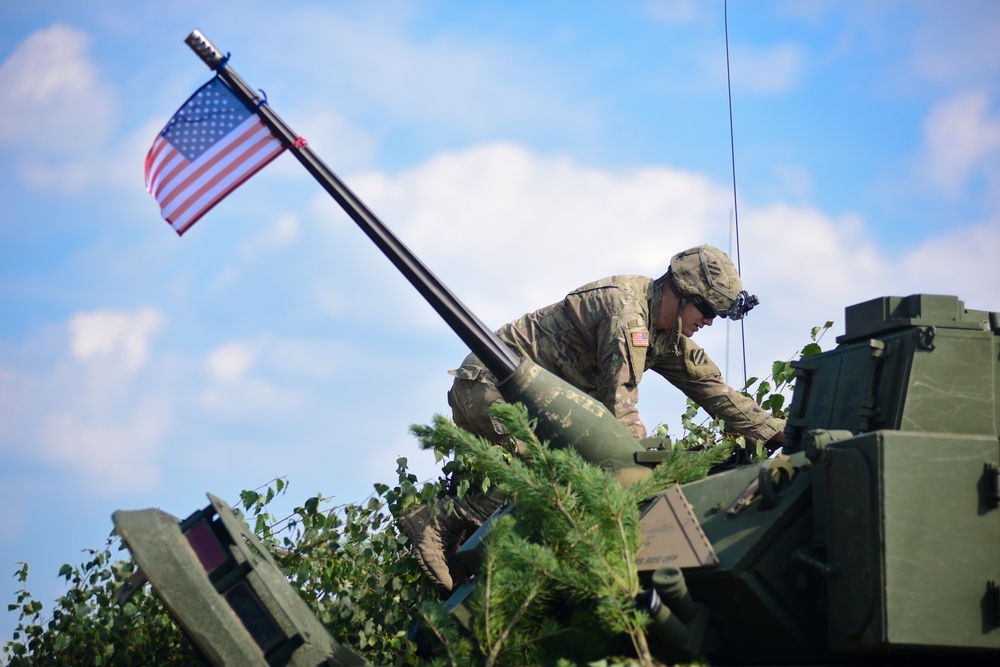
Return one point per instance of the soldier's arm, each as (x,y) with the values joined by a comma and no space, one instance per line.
(700,379)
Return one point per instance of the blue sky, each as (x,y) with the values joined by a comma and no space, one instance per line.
(519,149)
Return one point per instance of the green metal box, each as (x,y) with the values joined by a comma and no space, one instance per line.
(913,543)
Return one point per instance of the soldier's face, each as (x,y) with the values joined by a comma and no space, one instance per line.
(692,320)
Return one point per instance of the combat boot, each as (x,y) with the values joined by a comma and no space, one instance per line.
(427,535)
(476,508)
(436,534)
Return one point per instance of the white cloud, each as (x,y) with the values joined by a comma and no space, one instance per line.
(54,99)
(955,44)
(959,262)
(283,232)
(118,164)
(231,361)
(961,141)
(330,133)
(269,377)
(122,335)
(510,231)
(511,228)
(114,453)
(83,396)
(251,397)
(232,389)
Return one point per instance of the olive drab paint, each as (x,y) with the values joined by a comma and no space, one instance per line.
(225,591)
(877,535)
(568,418)
(874,538)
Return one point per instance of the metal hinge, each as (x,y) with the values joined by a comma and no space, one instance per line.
(925,337)
(993,598)
(992,475)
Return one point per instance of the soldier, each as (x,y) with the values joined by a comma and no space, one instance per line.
(601,338)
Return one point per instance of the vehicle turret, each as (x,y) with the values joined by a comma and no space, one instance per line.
(876,535)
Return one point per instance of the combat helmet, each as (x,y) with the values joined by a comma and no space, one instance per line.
(706,277)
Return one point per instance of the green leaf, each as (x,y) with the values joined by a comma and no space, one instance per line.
(811,349)
(782,371)
(249,498)
(763,390)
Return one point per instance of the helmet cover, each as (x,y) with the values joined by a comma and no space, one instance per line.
(707,273)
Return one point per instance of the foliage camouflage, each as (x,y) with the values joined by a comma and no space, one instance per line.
(559,576)
(86,627)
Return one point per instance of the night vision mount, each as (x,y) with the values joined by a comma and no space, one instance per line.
(741,305)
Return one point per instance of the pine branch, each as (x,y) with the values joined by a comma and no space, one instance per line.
(494,653)
(570,545)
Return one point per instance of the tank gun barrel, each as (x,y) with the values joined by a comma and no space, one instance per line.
(499,358)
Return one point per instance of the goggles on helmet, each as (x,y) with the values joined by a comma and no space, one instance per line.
(740,306)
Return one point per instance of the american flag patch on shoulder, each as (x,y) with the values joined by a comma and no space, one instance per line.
(640,339)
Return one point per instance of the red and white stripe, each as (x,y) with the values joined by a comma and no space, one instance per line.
(186,190)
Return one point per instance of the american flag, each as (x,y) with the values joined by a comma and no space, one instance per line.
(211,145)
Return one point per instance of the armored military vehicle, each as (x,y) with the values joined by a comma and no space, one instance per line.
(874,537)
(877,534)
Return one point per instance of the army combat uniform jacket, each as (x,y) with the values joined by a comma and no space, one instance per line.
(602,337)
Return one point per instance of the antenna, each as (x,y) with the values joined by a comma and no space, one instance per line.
(736,210)
(729,322)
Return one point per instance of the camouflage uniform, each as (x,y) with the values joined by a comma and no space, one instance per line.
(601,338)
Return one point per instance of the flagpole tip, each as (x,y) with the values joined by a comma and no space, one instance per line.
(210,55)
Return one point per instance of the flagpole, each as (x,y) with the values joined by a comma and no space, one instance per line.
(499,358)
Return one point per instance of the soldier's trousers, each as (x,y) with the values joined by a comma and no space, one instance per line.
(470,402)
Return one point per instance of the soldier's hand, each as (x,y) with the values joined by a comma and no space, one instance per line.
(777,440)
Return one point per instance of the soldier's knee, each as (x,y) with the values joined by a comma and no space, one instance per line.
(470,402)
